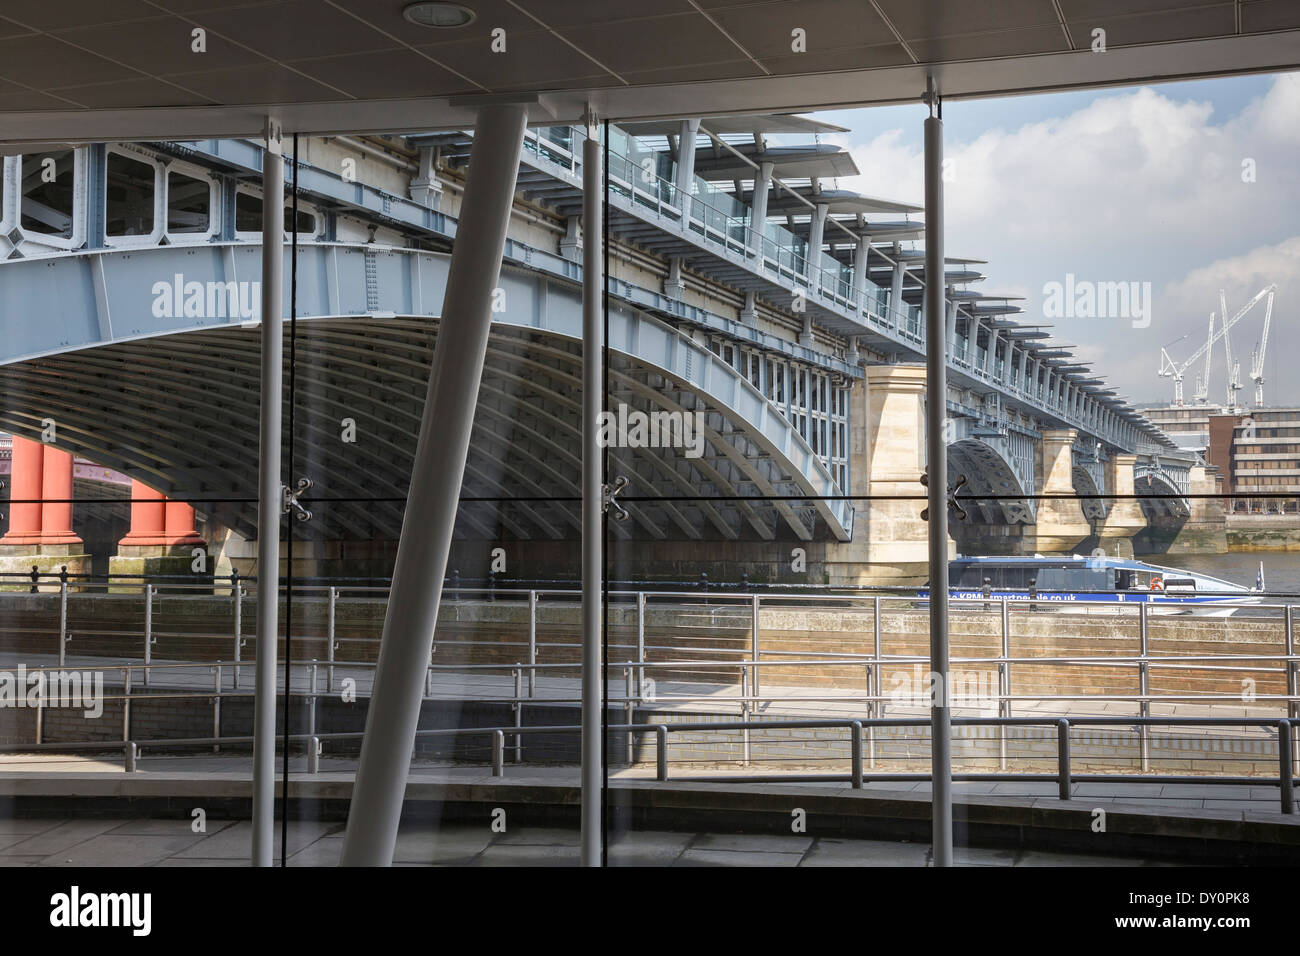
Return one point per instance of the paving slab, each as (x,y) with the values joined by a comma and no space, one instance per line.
(528,855)
(445,845)
(753,842)
(236,842)
(538,836)
(701,857)
(61,837)
(1044,858)
(149,826)
(129,850)
(827,852)
(324,852)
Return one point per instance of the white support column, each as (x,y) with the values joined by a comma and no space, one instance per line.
(593,343)
(425,188)
(432,499)
(270,501)
(674,287)
(686,168)
(936,411)
(991,356)
(816,233)
(897,311)
(952,322)
(860,256)
(758,210)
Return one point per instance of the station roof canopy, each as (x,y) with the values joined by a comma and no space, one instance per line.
(838,201)
(752,125)
(91,70)
(790,162)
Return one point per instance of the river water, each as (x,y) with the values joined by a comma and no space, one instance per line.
(1281,568)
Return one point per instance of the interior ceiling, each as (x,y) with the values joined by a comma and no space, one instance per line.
(82,70)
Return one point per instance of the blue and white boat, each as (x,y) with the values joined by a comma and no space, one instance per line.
(1057,581)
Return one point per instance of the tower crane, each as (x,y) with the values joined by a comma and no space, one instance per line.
(1234,369)
(1171,369)
(1257,359)
(1202,392)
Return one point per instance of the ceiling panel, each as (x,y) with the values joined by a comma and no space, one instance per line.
(58,14)
(1158,27)
(400,72)
(197,6)
(658,43)
(540,55)
(261,83)
(764,29)
(862,58)
(570,13)
(45,62)
(1265,15)
(297,29)
(1044,39)
(160,45)
(386,15)
(936,18)
(145,91)
(1084,9)
(731,69)
(32,100)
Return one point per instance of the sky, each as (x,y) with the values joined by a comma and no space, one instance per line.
(1192,187)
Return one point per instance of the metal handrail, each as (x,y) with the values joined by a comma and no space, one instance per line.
(1285,780)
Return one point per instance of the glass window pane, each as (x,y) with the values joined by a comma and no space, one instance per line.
(47,193)
(248,213)
(130,195)
(189,204)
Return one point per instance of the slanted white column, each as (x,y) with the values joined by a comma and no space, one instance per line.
(432,500)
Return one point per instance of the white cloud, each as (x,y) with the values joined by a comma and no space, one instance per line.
(1135,186)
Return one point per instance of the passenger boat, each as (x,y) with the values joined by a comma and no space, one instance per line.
(1054,581)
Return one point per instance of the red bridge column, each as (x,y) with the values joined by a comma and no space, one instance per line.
(56,490)
(161,539)
(25,483)
(40,530)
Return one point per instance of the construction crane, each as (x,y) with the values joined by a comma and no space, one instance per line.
(1171,369)
(1234,369)
(1257,358)
(1202,394)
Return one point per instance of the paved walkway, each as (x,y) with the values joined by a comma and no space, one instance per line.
(108,842)
(1153,795)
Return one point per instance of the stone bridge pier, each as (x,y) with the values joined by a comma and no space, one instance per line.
(1060,525)
(1124,516)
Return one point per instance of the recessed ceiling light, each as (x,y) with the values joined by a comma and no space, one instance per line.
(441,15)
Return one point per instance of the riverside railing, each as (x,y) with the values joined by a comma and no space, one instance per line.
(1064,776)
(692,670)
(695,617)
